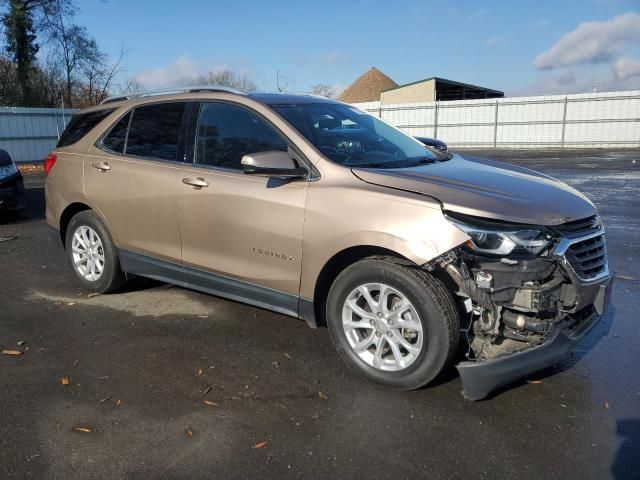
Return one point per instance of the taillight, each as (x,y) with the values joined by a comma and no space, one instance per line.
(49,162)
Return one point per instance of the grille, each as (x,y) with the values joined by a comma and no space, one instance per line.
(580,227)
(587,256)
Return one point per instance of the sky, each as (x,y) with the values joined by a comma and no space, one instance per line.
(520,47)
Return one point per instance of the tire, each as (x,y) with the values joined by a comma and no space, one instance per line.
(104,252)
(431,350)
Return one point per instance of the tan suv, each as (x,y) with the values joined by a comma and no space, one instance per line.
(315,209)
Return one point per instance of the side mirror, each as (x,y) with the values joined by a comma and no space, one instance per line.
(272,164)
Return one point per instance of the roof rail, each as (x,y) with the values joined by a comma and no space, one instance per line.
(166,91)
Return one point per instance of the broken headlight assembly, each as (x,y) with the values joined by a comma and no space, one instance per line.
(502,239)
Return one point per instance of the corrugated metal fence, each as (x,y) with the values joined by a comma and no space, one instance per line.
(29,134)
(582,120)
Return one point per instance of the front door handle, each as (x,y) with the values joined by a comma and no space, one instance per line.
(196,183)
(102,166)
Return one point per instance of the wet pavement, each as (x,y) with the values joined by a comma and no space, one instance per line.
(142,363)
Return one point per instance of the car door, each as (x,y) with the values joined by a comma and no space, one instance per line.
(246,230)
(132,177)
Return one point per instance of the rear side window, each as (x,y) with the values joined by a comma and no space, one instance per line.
(117,137)
(80,125)
(154,131)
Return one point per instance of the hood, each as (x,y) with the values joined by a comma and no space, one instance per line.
(489,189)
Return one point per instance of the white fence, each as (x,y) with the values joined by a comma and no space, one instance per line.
(584,120)
(29,134)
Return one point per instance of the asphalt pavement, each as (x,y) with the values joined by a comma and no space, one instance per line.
(162,382)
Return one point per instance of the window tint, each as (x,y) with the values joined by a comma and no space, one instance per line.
(154,131)
(80,125)
(227,133)
(117,136)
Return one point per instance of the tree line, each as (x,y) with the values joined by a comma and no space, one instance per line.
(49,60)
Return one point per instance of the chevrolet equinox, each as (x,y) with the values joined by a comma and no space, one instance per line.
(312,208)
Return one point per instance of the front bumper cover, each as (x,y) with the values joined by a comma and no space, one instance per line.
(479,379)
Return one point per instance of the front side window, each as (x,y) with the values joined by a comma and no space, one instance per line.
(354,138)
(154,131)
(116,138)
(227,133)
(81,124)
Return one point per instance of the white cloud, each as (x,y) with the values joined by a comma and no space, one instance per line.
(626,68)
(491,42)
(170,75)
(579,80)
(591,42)
(181,72)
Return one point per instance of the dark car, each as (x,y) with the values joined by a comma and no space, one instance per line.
(11,185)
(433,142)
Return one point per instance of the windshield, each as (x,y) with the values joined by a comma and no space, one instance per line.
(352,137)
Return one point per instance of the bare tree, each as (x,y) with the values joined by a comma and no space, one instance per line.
(133,85)
(284,83)
(323,90)
(72,43)
(226,78)
(98,74)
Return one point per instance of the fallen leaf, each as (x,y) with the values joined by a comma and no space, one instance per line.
(12,352)
(606,405)
(105,399)
(207,390)
(322,395)
(625,277)
(82,429)
(94,294)
(562,405)
(71,304)
(189,433)
(210,403)
(200,372)
(287,355)
(535,382)
(65,381)
(118,403)
(260,445)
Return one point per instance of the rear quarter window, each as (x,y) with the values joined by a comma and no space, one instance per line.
(80,125)
(154,131)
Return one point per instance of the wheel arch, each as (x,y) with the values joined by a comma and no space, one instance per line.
(67,214)
(336,264)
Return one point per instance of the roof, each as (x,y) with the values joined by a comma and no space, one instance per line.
(367,87)
(285,98)
(264,98)
(450,82)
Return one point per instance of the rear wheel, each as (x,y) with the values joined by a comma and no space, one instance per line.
(92,253)
(393,323)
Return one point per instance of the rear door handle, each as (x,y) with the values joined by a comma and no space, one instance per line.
(102,166)
(196,182)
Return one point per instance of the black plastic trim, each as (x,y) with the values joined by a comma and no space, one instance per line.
(479,379)
(220,285)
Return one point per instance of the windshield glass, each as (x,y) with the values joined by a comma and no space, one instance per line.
(354,138)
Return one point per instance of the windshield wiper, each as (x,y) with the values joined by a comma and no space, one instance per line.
(422,161)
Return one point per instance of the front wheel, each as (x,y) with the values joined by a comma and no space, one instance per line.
(393,323)
(92,253)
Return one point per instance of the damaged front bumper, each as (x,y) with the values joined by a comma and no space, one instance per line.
(526,312)
(479,379)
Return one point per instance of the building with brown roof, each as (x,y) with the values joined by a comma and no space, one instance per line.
(368,87)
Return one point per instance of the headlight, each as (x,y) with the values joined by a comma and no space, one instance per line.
(8,170)
(505,240)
